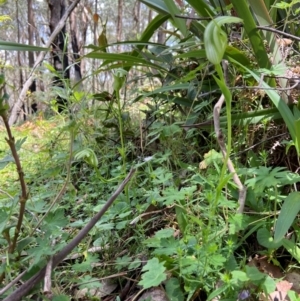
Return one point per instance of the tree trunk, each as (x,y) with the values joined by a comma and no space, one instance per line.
(75,45)
(137,16)
(119,23)
(59,48)
(29,106)
(161,35)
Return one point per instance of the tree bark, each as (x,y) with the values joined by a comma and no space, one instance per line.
(119,23)
(59,46)
(75,45)
(161,35)
(137,16)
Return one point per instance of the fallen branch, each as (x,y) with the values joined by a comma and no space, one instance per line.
(24,289)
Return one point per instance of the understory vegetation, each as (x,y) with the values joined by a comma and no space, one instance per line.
(206,129)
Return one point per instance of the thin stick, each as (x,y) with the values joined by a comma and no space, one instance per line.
(23,290)
(278,32)
(221,142)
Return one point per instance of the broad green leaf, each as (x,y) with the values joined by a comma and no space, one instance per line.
(88,155)
(265,239)
(173,290)
(201,7)
(20,47)
(178,23)
(268,285)
(254,274)
(287,215)
(234,53)
(157,5)
(164,233)
(154,273)
(168,247)
(240,276)
(87,264)
(215,38)
(55,219)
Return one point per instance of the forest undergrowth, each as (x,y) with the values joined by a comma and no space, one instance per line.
(179,183)
(168,227)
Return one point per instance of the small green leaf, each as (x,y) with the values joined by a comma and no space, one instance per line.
(289,211)
(88,155)
(164,233)
(265,239)
(87,264)
(292,249)
(173,290)
(254,274)
(269,285)
(240,276)
(181,218)
(154,273)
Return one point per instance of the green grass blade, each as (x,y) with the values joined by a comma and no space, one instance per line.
(201,7)
(178,23)
(157,5)
(292,248)
(243,11)
(289,211)
(282,107)
(20,47)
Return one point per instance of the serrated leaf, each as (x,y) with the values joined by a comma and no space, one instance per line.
(55,220)
(288,212)
(154,273)
(87,264)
